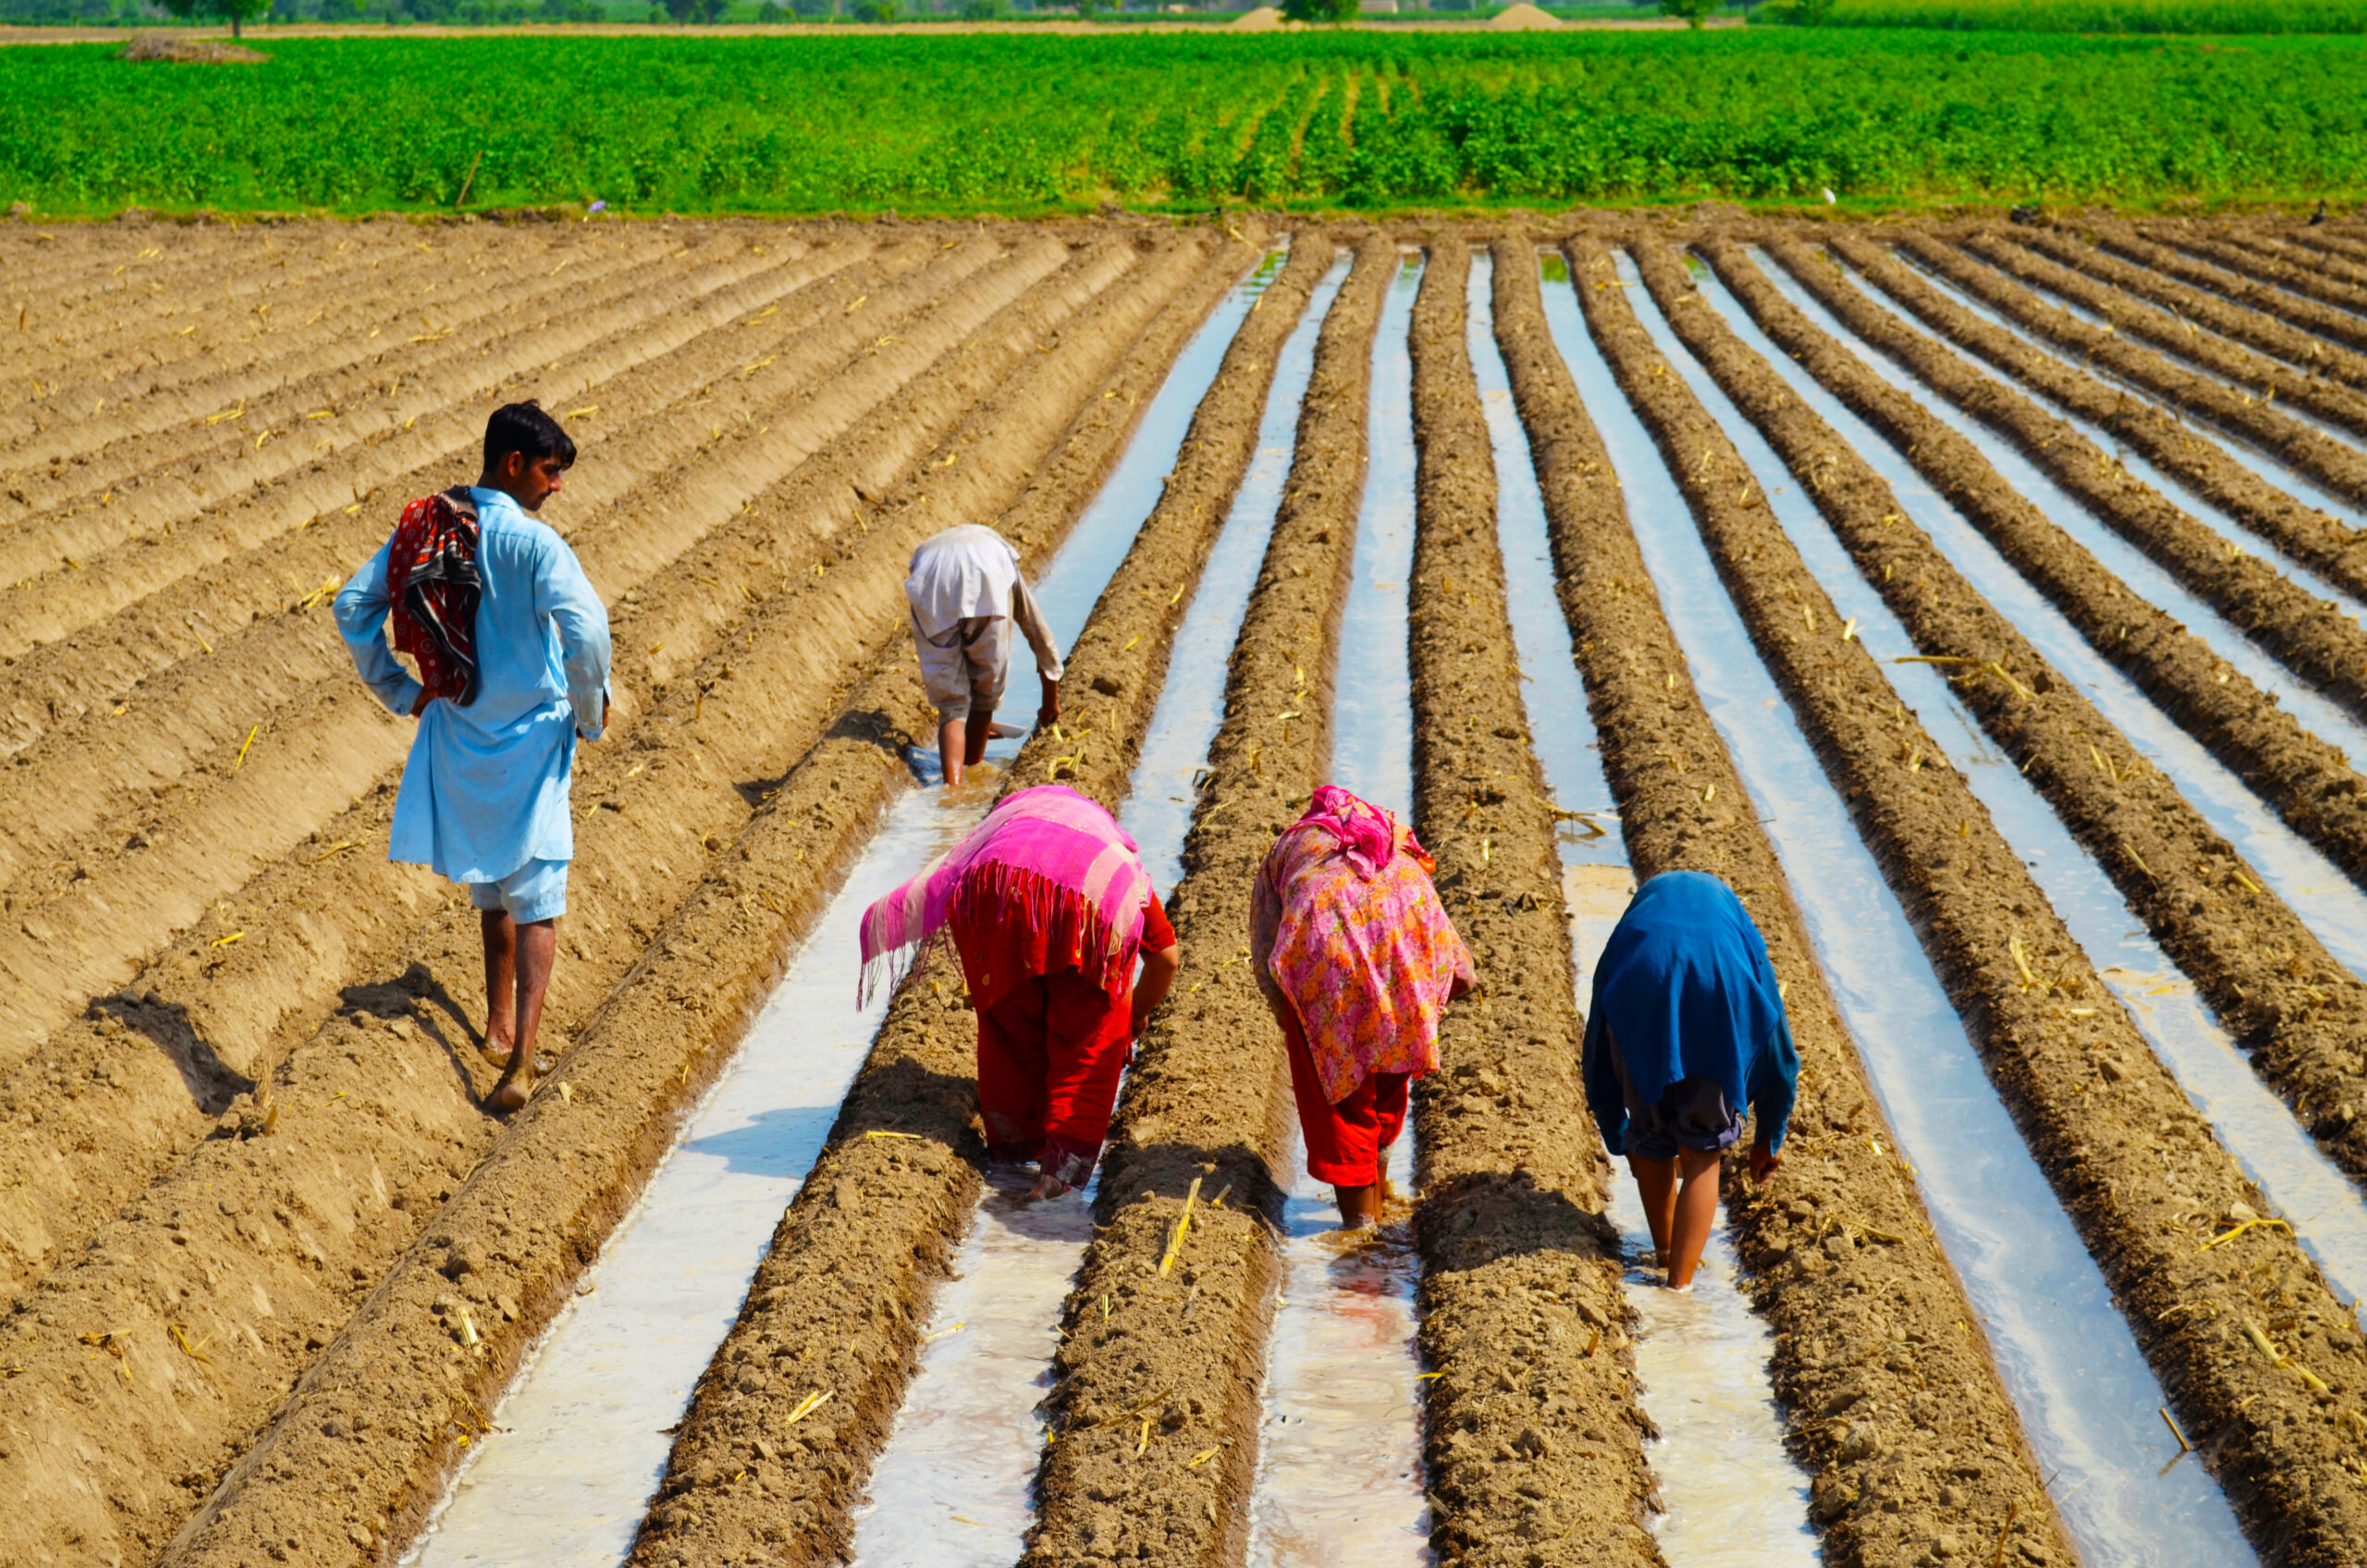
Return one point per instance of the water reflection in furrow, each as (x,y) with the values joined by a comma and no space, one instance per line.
(2335,908)
(2009,460)
(1339,1478)
(2260,461)
(952,1487)
(2250,1119)
(580,1438)
(2068,1360)
(1732,1497)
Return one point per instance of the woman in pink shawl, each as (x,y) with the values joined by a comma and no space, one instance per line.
(1049,905)
(1356,957)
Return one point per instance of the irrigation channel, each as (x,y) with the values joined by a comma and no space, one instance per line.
(2000,641)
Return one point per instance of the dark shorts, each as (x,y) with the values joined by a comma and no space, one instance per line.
(1692,1115)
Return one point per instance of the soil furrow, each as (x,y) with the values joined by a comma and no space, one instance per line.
(107,770)
(1842,1248)
(1531,1430)
(2307,336)
(225,1017)
(2338,253)
(187,530)
(2311,783)
(2325,257)
(2133,319)
(2255,270)
(837,1304)
(113,423)
(131,356)
(2320,542)
(677,798)
(101,915)
(383,289)
(2136,1166)
(2267,976)
(209,446)
(540,1205)
(1154,1407)
(107,307)
(2308,450)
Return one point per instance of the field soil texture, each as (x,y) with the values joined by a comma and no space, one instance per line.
(269,1263)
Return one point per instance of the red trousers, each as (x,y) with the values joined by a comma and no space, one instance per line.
(1347,1143)
(1050,1050)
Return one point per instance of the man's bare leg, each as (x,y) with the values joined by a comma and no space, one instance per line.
(536,947)
(962,743)
(500,984)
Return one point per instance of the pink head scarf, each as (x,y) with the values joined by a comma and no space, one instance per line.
(1368,834)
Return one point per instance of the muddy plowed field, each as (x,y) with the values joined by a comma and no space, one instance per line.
(1986,604)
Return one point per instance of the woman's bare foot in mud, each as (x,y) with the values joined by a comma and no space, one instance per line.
(1047,1187)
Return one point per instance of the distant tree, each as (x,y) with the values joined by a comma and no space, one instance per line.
(984,10)
(1320,10)
(1693,11)
(874,11)
(235,12)
(771,13)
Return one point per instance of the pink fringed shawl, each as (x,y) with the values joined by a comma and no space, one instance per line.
(1051,860)
(1361,946)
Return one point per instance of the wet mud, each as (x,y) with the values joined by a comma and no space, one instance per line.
(2267,976)
(2234,408)
(2309,337)
(857,1255)
(1841,1251)
(1154,1407)
(2241,269)
(2310,635)
(1534,1443)
(2322,543)
(2135,1166)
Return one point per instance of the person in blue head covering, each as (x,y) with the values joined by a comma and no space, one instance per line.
(1687,1029)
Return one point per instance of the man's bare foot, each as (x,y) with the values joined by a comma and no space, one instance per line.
(495,1051)
(510,1094)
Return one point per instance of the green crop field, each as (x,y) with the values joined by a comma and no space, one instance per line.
(2198,17)
(1016,124)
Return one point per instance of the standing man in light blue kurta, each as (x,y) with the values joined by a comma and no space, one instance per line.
(514,644)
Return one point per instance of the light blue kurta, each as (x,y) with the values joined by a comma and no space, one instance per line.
(485,789)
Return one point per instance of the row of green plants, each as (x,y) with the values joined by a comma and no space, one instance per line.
(2184,16)
(1001,122)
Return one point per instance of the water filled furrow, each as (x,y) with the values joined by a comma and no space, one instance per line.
(2086,1397)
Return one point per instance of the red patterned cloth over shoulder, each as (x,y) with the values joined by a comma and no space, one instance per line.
(432,578)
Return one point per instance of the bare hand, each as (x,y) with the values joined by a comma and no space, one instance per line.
(419,704)
(1048,712)
(1764,1163)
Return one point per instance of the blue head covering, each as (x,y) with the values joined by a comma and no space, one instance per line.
(1686,989)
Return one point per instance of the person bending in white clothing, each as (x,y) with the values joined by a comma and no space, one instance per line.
(966,592)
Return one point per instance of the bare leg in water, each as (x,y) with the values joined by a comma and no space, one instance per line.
(962,742)
(518,960)
(1681,1201)
(1359,1206)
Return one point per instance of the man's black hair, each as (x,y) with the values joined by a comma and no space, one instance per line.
(527,428)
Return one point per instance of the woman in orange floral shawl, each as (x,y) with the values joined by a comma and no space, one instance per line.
(1357,958)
